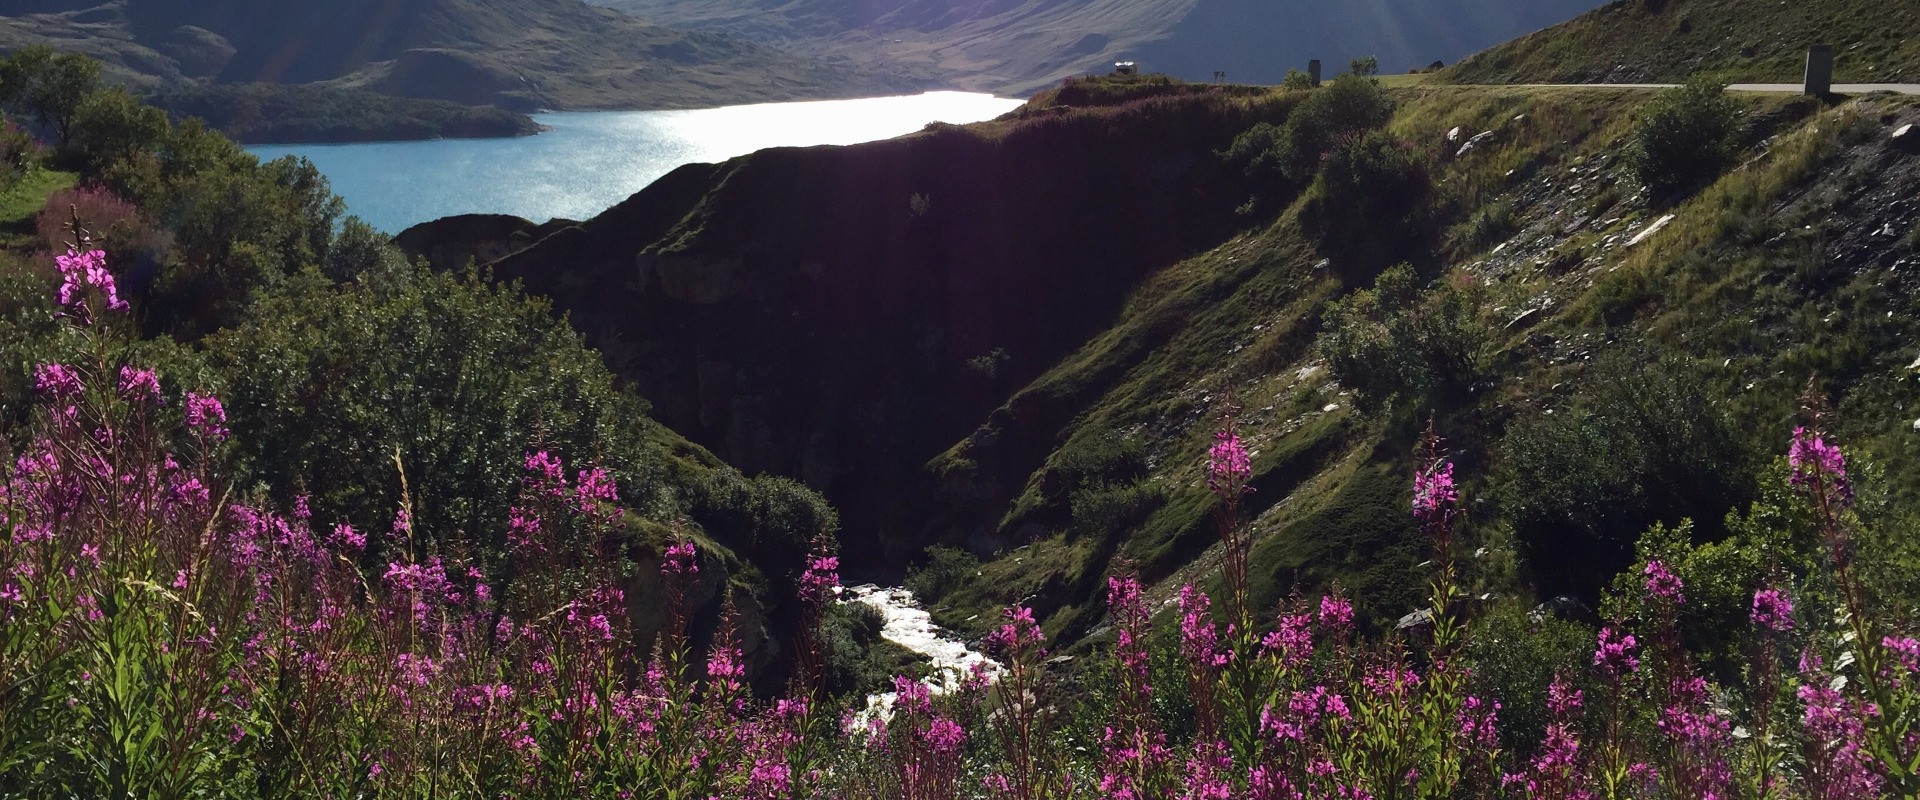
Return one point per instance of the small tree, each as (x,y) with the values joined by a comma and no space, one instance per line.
(48,86)
(1365,66)
(1685,138)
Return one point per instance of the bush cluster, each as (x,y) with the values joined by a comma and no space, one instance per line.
(1395,340)
(1641,442)
(1685,137)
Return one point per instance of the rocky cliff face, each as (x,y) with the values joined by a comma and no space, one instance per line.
(844,314)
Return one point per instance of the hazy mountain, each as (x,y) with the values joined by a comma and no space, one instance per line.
(516,53)
(1020,45)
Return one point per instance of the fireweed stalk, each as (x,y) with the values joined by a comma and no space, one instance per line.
(1435,503)
(1023,719)
(1135,755)
(1819,470)
(1243,690)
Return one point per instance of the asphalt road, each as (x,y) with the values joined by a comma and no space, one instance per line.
(1792,88)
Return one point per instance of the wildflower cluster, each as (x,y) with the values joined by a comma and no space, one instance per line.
(165,634)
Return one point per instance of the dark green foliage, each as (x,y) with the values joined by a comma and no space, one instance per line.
(1100,459)
(1514,655)
(1396,341)
(858,661)
(50,87)
(1489,224)
(256,113)
(1100,478)
(945,569)
(775,518)
(327,385)
(1369,184)
(1344,109)
(1365,66)
(1685,138)
(1114,509)
(239,226)
(112,126)
(1643,442)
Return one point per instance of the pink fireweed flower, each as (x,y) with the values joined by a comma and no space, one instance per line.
(1228,466)
(139,385)
(346,538)
(206,415)
(1663,584)
(1615,656)
(80,270)
(1905,649)
(1129,611)
(523,529)
(946,736)
(1019,631)
(1812,459)
(1336,614)
(1199,638)
(1479,721)
(594,487)
(1291,640)
(547,468)
(1434,494)
(1837,765)
(56,380)
(679,560)
(1772,610)
(820,579)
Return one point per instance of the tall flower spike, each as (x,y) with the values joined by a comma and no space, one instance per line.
(1228,466)
(1813,458)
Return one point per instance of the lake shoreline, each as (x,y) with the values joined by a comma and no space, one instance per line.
(584,162)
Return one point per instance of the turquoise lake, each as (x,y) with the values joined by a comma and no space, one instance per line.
(591,160)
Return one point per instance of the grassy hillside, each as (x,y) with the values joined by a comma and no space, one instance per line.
(1639,41)
(1059,465)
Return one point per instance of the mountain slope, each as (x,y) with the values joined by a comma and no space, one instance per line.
(1017,47)
(1629,41)
(1030,364)
(561,54)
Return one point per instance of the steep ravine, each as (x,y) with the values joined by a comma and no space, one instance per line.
(844,314)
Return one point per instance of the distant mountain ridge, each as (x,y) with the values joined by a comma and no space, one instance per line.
(1018,46)
(518,54)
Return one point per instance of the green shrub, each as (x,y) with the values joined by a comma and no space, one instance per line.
(943,570)
(1643,442)
(326,385)
(1514,654)
(776,519)
(1369,183)
(1113,509)
(1684,138)
(1344,109)
(1396,341)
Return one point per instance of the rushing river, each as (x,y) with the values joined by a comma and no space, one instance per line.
(911,627)
(588,161)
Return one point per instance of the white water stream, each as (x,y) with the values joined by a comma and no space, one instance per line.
(910,626)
